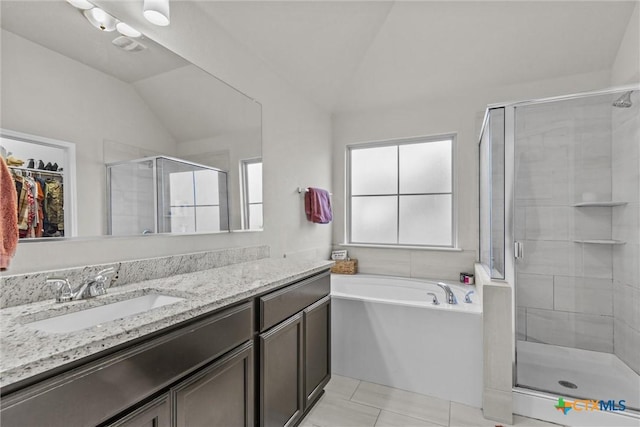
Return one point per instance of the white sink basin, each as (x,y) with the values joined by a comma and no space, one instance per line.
(105,313)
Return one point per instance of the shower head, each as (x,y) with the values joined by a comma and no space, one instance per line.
(624,101)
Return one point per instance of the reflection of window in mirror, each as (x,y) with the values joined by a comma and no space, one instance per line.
(193,197)
(251,193)
(195,201)
(43,171)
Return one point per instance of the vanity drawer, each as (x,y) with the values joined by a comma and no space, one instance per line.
(99,390)
(284,303)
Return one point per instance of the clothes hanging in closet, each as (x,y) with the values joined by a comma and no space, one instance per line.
(40,211)
(54,206)
(8,223)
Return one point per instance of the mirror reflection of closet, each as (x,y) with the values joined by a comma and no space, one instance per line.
(43,172)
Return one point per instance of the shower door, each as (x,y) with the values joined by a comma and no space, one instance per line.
(570,205)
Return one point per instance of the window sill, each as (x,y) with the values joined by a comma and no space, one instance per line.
(413,248)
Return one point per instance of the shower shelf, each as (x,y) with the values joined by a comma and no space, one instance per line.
(602,204)
(601,242)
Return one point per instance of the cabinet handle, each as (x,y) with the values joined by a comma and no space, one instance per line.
(519,250)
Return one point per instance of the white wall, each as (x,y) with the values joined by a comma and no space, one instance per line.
(461,113)
(296,152)
(626,67)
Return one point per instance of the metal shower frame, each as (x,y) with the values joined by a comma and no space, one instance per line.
(509,190)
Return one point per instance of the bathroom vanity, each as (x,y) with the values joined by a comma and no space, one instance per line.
(246,344)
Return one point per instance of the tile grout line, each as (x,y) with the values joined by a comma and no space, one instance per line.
(362,404)
(369,405)
(377,418)
(416,418)
(354,390)
(403,414)
(399,413)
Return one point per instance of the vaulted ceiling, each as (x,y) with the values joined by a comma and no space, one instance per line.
(353,55)
(350,55)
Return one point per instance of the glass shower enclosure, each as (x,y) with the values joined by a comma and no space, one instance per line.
(559,221)
(166,195)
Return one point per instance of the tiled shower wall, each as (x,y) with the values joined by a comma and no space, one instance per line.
(626,258)
(563,288)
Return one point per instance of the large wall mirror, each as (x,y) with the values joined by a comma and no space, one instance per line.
(127,100)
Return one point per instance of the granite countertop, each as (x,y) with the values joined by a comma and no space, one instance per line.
(25,351)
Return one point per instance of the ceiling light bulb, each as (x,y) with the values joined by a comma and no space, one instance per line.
(127,30)
(156,12)
(80,4)
(100,19)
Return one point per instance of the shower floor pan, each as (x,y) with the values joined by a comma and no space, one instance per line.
(598,376)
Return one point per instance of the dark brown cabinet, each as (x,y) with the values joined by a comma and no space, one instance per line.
(101,392)
(317,349)
(221,395)
(154,414)
(295,354)
(281,373)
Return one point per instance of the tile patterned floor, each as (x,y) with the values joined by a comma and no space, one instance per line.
(348,402)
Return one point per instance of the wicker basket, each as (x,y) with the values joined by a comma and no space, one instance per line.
(345,267)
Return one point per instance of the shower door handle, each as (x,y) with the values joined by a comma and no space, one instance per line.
(518,250)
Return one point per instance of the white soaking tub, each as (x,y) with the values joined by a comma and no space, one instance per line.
(386,330)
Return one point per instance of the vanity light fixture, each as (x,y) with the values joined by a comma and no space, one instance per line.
(80,4)
(100,19)
(105,22)
(127,30)
(156,12)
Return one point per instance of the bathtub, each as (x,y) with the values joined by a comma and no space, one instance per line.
(386,330)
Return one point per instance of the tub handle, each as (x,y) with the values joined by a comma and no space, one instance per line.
(467,297)
(435,298)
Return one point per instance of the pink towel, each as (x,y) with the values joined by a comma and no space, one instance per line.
(8,216)
(317,206)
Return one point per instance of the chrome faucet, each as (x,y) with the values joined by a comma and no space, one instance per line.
(467,297)
(451,298)
(91,287)
(435,298)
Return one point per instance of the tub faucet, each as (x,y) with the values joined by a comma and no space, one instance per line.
(435,298)
(467,297)
(91,287)
(451,298)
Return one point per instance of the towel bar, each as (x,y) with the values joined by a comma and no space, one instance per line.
(306,190)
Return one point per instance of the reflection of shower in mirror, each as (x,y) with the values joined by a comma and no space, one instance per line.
(166,195)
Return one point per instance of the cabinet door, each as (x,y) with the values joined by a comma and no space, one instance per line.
(154,414)
(220,395)
(281,374)
(317,349)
